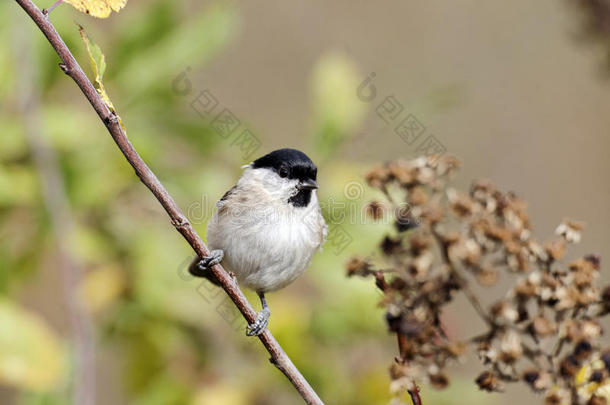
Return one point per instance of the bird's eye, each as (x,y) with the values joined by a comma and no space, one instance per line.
(283,172)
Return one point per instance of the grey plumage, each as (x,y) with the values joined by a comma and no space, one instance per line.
(269,225)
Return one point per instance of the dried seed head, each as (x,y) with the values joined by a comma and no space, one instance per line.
(439,380)
(378,177)
(555,248)
(358,267)
(425,175)
(582,350)
(488,381)
(599,376)
(557,397)
(461,204)
(570,230)
(597,400)
(504,313)
(542,327)
(375,210)
(445,164)
(487,277)
(390,246)
(605,358)
(405,220)
(531,376)
(455,349)
(431,212)
(403,172)
(417,196)
(569,366)
(487,354)
(605,296)
(398,370)
(525,289)
(420,266)
(394,317)
(457,237)
(419,243)
(537,250)
(577,330)
(567,298)
(510,347)
(595,260)
(539,381)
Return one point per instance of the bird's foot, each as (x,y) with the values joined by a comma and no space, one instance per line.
(206,263)
(260,323)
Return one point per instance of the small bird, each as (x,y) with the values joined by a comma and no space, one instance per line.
(266,228)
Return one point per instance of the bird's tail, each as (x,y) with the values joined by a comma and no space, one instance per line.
(197,271)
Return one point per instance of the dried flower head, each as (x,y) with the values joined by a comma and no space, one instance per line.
(544,333)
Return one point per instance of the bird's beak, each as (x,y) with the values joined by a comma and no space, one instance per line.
(308,184)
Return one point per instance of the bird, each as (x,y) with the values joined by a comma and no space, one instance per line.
(266,229)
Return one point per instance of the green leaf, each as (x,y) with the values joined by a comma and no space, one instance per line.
(337,112)
(98,65)
(191,44)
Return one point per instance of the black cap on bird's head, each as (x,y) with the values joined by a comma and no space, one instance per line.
(292,164)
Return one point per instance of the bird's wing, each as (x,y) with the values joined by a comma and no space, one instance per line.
(228,193)
(324,227)
(220,204)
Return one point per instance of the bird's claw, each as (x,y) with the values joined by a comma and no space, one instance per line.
(214,258)
(260,323)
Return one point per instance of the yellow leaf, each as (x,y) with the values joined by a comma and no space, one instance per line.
(97,8)
(31,355)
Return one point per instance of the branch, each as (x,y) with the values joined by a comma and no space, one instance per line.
(402,341)
(71,67)
(414,392)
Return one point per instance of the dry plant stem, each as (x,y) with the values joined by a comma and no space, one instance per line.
(470,295)
(62,224)
(414,393)
(179,220)
(402,341)
(529,353)
(415,398)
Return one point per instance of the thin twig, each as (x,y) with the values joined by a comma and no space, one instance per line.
(414,393)
(57,3)
(461,279)
(415,398)
(62,223)
(70,66)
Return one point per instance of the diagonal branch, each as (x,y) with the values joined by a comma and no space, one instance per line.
(70,66)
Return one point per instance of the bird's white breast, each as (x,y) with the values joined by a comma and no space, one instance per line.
(267,244)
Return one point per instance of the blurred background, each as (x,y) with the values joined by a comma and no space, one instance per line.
(95,304)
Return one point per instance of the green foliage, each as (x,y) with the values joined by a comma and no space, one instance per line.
(31,355)
(337,112)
